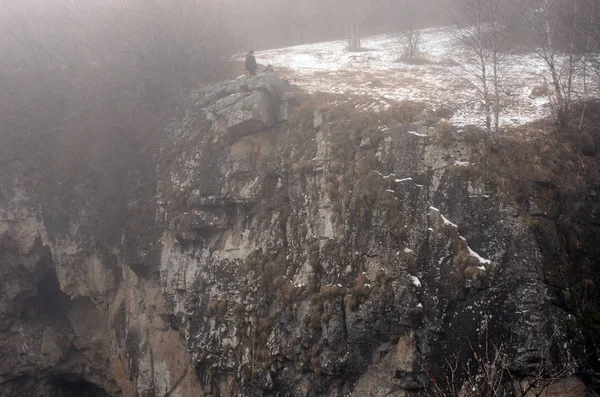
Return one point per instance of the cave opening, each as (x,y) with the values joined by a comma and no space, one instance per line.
(68,386)
(50,299)
(56,385)
(50,307)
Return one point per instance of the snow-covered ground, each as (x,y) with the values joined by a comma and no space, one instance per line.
(438,80)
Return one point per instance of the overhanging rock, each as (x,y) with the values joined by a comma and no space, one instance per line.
(248,104)
(250,114)
(268,83)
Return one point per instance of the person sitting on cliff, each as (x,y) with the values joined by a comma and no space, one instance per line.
(251,63)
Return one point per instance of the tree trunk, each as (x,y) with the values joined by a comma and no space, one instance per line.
(354,39)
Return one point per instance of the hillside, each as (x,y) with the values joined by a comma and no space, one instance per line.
(270,242)
(442,75)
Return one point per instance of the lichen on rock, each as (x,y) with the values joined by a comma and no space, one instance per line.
(306,254)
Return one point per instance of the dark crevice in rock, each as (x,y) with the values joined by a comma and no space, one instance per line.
(144,270)
(61,385)
(49,302)
(76,387)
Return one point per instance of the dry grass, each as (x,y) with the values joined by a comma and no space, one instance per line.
(358,293)
(443,133)
(287,293)
(359,289)
(548,175)
(315,364)
(462,254)
(474,273)
(351,302)
(535,160)
(314,259)
(217,308)
(331,291)
(313,319)
(264,324)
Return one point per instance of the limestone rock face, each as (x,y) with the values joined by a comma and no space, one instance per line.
(249,104)
(253,113)
(299,254)
(268,83)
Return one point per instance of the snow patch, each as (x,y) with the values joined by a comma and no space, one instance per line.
(383,176)
(479,258)
(447,222)
(403,180)
(415,281)
(440,81)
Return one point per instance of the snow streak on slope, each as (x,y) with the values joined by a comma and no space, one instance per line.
(438,79)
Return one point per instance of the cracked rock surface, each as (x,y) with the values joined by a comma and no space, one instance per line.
(304,255)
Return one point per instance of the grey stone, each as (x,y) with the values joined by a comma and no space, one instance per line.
(318,119)
(249,114)
(222,106)
(292,97)
(284,109)
(268,83)
(291,262)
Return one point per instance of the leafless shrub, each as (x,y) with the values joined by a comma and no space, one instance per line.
(482,32)
(409,33)
(169,45)
(331,291)
(352,14)
(561,36)
(488,374)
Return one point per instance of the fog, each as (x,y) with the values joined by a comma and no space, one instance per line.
(95,30)
(168,47)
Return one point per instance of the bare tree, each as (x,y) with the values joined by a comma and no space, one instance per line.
(352,14)
(497,45)
(552,24)
(588,45)
(481,31)
(488,374)
(409,34)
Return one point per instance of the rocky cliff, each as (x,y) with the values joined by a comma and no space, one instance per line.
(287,245)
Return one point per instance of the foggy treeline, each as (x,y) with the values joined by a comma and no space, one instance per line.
(169,47)
(76,33)
(171,39)
(86,86)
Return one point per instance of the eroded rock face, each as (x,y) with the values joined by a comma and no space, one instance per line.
(248,104)
(309,257)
